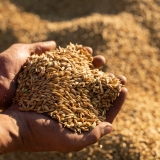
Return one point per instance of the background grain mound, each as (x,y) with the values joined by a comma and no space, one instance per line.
(127,33)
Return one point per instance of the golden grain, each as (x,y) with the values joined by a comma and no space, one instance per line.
(64,84)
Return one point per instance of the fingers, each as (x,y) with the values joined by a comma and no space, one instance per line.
(117,105)
(99,131)
(87,138)
(98,61)
(41,47)
(89,49)
(123,79)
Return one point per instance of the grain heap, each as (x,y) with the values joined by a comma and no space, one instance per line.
(64,84)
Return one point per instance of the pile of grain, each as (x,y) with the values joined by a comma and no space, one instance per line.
(64,84)
(126,32)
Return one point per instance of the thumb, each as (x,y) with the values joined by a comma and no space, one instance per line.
(41,47)
(98,132)
(102,129)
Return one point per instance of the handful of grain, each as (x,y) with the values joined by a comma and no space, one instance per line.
(64,84)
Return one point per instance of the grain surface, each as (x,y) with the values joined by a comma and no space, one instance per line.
(126,33)
(64,84)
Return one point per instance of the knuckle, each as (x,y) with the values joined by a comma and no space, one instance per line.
(16,45)
(93,138)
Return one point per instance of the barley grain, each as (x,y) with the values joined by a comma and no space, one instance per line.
(64,84)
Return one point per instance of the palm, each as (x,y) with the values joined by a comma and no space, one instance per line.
(51,135)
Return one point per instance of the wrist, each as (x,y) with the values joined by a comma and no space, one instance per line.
(9,134)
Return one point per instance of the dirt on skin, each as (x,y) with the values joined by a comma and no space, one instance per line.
(127,34)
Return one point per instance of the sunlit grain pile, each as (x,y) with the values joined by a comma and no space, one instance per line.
(126,33)
(64,84)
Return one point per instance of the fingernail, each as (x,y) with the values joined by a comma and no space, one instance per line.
(107,129)
(89,49)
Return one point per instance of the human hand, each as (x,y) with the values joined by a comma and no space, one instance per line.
(31,131)
(11,62)
(98,62)
(35,132)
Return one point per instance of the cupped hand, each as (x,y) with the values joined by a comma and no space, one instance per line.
(11,62)
(38,132)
